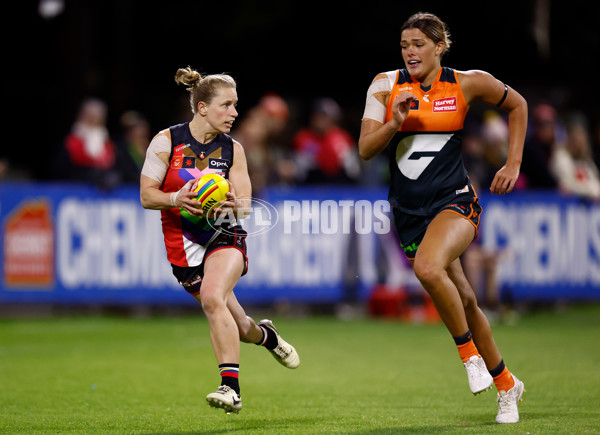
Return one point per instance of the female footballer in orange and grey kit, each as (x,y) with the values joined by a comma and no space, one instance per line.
(417,114)
(209,261)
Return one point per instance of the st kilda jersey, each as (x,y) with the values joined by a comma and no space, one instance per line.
(186,237)
(426,166)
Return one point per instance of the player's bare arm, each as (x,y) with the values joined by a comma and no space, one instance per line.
(240,192)
(482,86)
(153,173)
(153,198)
(375,135)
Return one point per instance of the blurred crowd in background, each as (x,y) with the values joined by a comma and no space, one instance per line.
(290,146)
(306,131)
(302,78)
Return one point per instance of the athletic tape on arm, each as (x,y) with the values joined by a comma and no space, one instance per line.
(374,108)
(154,167)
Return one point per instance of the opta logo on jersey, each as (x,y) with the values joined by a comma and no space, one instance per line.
(445,105)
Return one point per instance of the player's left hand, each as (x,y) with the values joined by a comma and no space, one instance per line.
(504,180)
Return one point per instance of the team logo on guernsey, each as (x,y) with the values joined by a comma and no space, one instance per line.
(445,105)
(189,162)
(177,162)
(414,105)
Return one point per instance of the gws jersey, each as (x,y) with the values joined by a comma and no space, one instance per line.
(186,240)
(426,164)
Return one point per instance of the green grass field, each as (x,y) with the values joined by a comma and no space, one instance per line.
(111,375)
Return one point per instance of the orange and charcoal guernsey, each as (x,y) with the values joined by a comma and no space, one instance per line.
(426,166)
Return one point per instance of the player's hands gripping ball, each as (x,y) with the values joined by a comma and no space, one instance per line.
(210,190)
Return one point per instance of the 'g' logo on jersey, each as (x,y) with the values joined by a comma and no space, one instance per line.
(414,153)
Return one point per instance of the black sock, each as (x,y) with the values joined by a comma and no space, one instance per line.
(463,339)
(230,374)
(499,369)
(269,339)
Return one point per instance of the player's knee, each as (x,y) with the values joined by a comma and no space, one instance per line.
(212,302)
(427,272)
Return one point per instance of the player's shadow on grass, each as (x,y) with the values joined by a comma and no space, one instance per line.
(447,428)
(478,422)
(239,424)
(302,425)
(481,423)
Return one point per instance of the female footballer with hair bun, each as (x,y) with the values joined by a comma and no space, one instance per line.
(417,113)
(208,260)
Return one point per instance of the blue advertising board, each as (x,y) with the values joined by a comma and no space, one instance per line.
(75,244)
(548,245)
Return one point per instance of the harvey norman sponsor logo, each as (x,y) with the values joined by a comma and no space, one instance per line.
(445,105)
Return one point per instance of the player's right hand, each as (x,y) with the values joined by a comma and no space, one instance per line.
(401,105)
(187,196)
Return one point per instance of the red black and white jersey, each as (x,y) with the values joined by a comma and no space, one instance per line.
(185,239)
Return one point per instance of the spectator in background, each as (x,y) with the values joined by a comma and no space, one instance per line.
(596,143)
(495,133)
(572,163)
(538,149)
(132,147)
(8,171)
(88,153)
(473,153)
(485,148)
(324,152)
(261,131)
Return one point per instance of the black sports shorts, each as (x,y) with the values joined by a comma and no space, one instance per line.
(411,228)
(191,277)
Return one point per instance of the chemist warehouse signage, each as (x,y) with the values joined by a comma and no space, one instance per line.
(548,246)
(75,244)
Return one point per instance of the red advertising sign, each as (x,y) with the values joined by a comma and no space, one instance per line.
(29,246)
